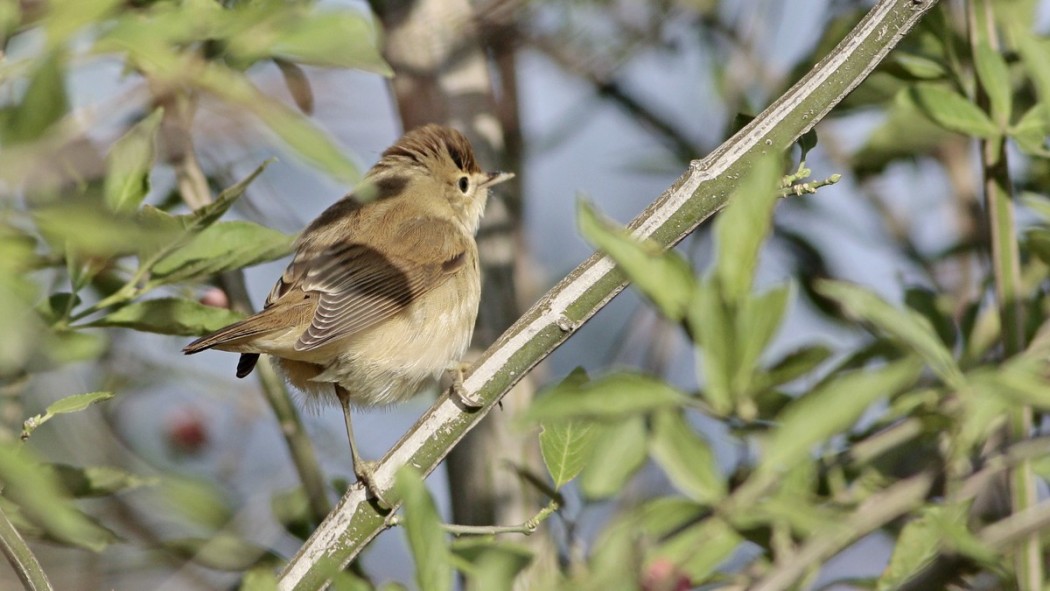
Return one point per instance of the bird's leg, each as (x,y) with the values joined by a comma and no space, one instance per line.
(365,471)
(468,399)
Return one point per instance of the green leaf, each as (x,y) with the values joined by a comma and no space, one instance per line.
(732,337)
(831,408)
(221,247)
(1035,54)
(791,367)
(306,139)
(259,579)
(995,79)
(171,316)
(335,39)
(210,213)
(566,447)
(619,452)
(129,162)
(98,481)
(223,551)
(188,500)
(921,540)
(292,510)
(44,103)
(89,229)
(952,111)
(905,133)
(909,66)
(699,549)
(686,458)
(757,323)
(906,326)
(713,324)
(1031,130)
(69,404)
(935,308)
(494,565)
(426,539)
(665,278)
(614,396)
(743,226)
(37,491)
(77,402)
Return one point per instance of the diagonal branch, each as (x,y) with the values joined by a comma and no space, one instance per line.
(695,196)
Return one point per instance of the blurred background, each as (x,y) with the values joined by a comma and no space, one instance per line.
(604,100)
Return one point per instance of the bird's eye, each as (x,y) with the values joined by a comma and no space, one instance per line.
(464,184)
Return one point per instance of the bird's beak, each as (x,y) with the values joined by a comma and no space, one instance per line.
(495,178)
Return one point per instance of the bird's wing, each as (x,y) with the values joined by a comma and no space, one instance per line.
(360,285)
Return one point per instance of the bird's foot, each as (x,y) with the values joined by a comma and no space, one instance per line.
(469,399)
(365,472)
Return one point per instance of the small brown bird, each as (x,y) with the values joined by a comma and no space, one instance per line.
(381,296)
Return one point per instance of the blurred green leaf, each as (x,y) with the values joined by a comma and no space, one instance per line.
(336,39)
(426,539)
(685,457)
(791,367)
(832,408)
(69,404)
(917,546)
(97,481)
(698,549)
(184,499)
(37,491)
(994,76)
(910,66)
(66,18)
(614,396)
(713,325)
(566,447)
(171,316)
(743,226)
(619,451)
(89,229)
(292,510)
(129,163)
(305,138)
(221,247)
(757,322)
(62,347)
(494,565)
(222,551)
(935,308)
(207,215)
(1031,130)
(953,111)
(1035,54)
(904,134)
(665,278)
(732,338)
(259,579)
(44,103)
(908,327)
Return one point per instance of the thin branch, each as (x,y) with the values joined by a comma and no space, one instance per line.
(699,193)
